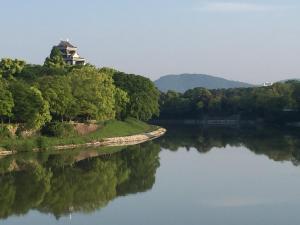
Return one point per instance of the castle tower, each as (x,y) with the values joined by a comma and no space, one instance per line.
(70,54)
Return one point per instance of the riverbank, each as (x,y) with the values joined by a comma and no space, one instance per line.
(117,141)
(111,133)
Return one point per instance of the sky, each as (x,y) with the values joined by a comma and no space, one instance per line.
(252,41)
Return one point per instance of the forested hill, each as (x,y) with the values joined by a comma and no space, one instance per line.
(184,82)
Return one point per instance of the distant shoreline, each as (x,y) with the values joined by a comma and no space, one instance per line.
(217,122)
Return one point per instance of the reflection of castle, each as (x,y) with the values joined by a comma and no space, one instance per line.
(70,54)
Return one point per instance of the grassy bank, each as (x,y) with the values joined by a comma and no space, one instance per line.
(107,129)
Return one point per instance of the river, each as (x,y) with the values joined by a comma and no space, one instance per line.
(190,176)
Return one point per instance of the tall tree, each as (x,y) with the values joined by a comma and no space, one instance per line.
(94,93)
(30,106)
(58,92)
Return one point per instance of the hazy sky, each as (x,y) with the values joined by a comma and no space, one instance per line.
(252,40)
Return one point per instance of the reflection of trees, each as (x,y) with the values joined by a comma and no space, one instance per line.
(83,188)
(58,184)
(54,186)
(194,137)
(21,191)
(277,144)
(143,169)
(7,196)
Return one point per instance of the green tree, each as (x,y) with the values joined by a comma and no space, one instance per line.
(199,99)
(58,92)
(30,106)
(94,94)
(108,71)
(143,95)
(10,67)
(121,101)
(173,105)
(6,101)
(55,60)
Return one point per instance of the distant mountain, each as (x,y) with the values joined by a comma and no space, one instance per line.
(184,82)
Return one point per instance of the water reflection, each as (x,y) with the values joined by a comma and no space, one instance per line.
(279,144)
(74,181)
(56,184)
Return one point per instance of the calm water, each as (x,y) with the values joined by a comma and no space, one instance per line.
(193,176)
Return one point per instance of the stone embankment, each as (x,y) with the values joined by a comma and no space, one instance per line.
(118,141)
(106,142)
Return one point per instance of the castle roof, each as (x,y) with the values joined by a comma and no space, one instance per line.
(66,44)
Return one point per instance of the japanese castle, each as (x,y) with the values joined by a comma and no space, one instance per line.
(70,54)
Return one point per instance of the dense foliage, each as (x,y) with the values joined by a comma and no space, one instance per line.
(95,99)
(58,129)
(279,102)
(144,96)
(9,67)
(33,95)
(6,101)
(55,60)
(30,106)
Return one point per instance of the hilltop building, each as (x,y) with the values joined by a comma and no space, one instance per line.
(70,54)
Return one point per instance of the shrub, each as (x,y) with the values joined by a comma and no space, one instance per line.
(42,143)
(4,132)
(24,146)
(58,129)
(27,146)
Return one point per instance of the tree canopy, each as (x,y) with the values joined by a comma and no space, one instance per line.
(33,95)
(55,60)
(94,93)
(57,91)
(30,106)
(144,96)
(279,102)
(10,67)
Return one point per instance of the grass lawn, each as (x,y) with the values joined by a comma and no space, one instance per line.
(112,128)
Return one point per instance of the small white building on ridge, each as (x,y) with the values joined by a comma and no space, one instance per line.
(267,84)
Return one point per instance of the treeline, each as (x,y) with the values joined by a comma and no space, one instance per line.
(279,102)
(33,95)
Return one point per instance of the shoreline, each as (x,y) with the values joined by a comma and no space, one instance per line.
(226,121)
(105,142)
